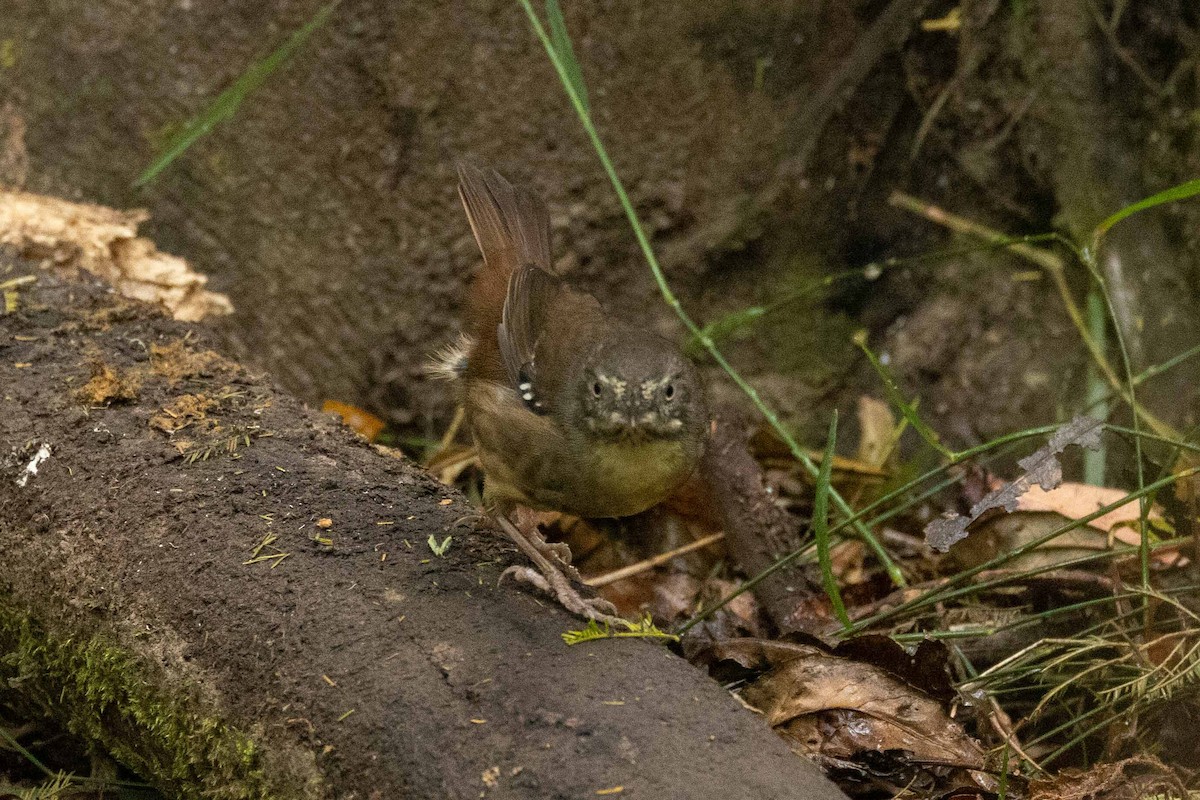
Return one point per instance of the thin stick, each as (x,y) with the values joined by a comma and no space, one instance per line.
(650,563)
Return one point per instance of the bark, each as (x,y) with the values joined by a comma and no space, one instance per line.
(144,603)
(759,532)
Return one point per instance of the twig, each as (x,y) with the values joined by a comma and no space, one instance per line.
(648,564)
(999,721)
(1110,35)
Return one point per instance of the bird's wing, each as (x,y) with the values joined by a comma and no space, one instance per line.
(512,229)
(531,297)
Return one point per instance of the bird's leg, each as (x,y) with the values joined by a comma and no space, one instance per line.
(552,573)
(526,521)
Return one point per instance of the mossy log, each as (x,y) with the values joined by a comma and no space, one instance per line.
(235,597)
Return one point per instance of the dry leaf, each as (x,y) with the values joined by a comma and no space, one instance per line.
(847,711)
(364,423)
(879,432)
(1077,500)
(1040,513)
(879,708)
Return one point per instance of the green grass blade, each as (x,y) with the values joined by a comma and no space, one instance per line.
(906,408)
(227,103)
(1094,461)
(820,524)
(12,742)
(1181,192)
(561,41)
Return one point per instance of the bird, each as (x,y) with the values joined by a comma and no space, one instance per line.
(571,408)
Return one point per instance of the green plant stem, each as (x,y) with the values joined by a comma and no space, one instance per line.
(564,76)
(879,519)
(751,582)
(1038,618)
(28,756)
(820,522)
(953,588)
(228,102)
(907,409)
(1170,363)
(1150,436)
(1054,266)
(1088,257)
(1095,461)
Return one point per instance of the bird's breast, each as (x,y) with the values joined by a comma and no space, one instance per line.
(629,477)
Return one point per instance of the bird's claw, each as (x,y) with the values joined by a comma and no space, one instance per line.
(556,585)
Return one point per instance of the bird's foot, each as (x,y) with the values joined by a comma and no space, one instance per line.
(553,575)
(557,585)
(557,552)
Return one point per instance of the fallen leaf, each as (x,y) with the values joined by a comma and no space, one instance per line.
(847,711)
(1077,500)
(364,423)
(879,432)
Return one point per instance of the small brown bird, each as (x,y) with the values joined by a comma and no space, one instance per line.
(571,409)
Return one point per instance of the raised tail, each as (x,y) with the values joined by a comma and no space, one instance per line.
(511,226)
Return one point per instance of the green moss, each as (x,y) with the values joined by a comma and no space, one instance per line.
(133,710)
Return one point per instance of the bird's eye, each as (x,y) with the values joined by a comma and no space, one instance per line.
(669,392)
(596,389)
